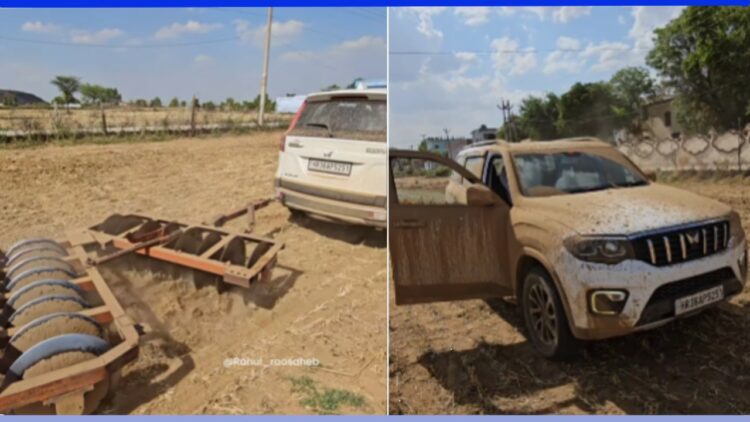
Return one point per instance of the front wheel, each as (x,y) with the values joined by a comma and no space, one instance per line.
(546,322)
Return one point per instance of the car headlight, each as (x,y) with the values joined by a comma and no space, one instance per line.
(601,249)
(735,228)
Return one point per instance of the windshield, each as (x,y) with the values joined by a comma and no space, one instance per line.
(358,119)
(559,173)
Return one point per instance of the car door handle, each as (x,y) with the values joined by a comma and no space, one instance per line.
(409,224)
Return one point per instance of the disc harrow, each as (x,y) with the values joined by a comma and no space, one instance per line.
(64,337)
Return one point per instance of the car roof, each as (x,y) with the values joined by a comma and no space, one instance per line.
(372,93)
(528,145)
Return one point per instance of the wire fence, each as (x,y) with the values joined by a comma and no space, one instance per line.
(43,124)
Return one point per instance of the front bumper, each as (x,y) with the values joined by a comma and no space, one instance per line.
(338,206)
(652,291)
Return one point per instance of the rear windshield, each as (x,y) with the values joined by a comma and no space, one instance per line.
(359,119)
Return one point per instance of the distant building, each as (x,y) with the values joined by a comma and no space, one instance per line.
(660,120)
(483,133)
(448,147)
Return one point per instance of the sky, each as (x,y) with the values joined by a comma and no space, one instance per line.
(487,54)
(211,53)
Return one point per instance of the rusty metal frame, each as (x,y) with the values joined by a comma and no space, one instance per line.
(71,383)
(233,274)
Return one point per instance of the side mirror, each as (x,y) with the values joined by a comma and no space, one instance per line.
(480,195)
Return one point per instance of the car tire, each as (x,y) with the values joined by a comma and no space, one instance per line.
(544,317)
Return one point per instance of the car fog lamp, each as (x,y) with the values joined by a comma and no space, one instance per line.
(607,302)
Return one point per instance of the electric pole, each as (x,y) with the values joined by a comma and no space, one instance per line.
(264,76)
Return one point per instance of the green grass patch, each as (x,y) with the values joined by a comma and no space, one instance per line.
(324,400)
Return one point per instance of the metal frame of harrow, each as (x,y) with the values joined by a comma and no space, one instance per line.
(65,388)
(238,275)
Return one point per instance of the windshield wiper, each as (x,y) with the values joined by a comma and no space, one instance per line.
(322,126)
(632,184)
(591,189)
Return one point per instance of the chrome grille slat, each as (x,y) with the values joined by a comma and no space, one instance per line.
(681,244)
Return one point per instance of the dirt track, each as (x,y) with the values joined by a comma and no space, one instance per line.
(326,301)
(472,357)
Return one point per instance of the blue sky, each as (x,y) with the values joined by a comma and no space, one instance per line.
(505,52)
(212,53)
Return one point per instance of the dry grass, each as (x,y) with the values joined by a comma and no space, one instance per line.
(33,119)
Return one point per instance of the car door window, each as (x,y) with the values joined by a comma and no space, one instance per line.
(475,165)
(497,178)
(422,181)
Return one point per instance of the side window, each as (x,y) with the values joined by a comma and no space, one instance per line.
(498,178)
(422,182)
(475,165)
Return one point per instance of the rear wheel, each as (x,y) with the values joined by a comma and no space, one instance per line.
(545,319)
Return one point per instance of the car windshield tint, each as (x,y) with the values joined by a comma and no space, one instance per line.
(559,173)
(358,119)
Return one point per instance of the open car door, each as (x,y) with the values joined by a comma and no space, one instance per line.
(447,231)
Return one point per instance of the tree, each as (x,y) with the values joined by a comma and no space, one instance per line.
(174,102)
(270,104)
(333,87)
(632,87)
(97,94)
(140,102)
(589,110)
(538,118)
(209,105)
(68,86)
(704,56)
(155,102)
(229,104)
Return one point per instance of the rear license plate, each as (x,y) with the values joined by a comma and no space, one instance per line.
(333,167)
(698,300)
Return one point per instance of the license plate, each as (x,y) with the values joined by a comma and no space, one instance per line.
(698,300)
(333,167)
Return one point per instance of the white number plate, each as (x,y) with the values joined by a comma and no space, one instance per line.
(698,300)
(334,167)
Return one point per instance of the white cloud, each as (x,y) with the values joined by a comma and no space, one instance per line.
(568,13)
(281,32)
(40,27)
(473,16)
(203,59)
(466,56)
(646,19)
(563,14)
(424,17)
(190,27)
(507,56)
(566,58)
(610,55)
(96,37)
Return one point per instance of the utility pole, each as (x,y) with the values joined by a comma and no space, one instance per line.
(508,124)
(264,77)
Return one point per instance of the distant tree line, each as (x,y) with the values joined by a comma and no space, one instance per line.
(95,95)
(701,58)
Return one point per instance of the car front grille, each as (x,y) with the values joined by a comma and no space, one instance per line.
(661,304)
(682,244)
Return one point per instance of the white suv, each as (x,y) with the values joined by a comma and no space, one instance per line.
(332,162)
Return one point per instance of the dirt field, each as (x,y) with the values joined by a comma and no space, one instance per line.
(326,302)
(472,357)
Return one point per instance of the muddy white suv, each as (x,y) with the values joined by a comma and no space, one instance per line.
(332,160)
(572,229)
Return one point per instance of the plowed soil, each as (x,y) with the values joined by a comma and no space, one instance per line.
(472,357)
(326,300)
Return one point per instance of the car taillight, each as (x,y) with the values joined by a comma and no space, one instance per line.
(292,125)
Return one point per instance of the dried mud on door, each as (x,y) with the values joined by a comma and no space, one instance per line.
(442,248)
